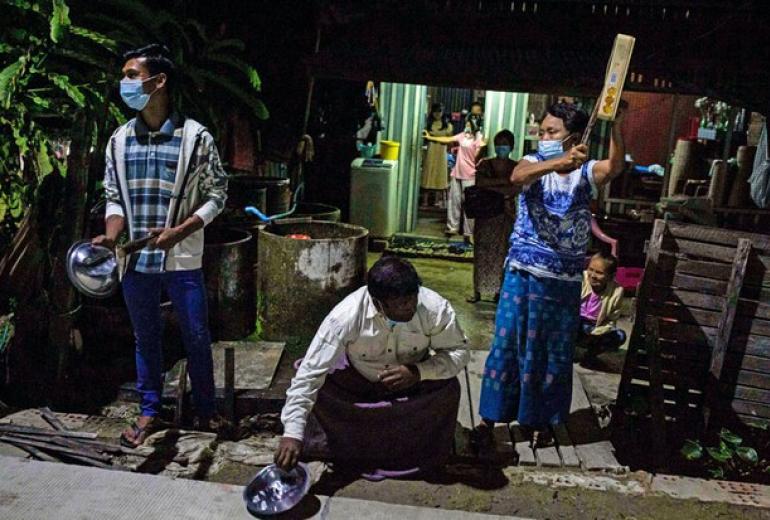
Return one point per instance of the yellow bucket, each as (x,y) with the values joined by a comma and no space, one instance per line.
(389,150)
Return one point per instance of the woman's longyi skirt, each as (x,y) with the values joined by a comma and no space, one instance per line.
(528,373)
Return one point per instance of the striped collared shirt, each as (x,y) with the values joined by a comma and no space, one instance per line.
(151,163)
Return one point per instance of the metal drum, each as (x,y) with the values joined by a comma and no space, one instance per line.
(245,187)
(227,269)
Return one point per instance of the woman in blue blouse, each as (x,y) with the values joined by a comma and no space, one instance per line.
(528,373)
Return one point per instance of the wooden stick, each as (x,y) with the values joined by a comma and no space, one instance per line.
(54,447)
(181,390)
(12,428)
(230,383)
(52,419)
(39,455)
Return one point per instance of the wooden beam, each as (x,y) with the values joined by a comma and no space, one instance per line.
(643,295)
(725,328)
(181,393)
(659,443)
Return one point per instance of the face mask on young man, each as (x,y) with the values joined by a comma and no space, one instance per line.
(132,92)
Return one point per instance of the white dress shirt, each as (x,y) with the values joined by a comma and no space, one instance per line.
(355,327)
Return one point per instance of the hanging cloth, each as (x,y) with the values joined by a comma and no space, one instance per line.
(759,182)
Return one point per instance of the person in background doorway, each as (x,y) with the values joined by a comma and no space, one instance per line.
(490,235)
(528,372)
(377,389)
(476,117)
(434,167)
(600,301)
(463,175)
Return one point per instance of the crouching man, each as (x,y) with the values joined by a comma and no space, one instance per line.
(377,389)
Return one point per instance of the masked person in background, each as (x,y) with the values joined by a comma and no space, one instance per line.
(528,373)
(163,177)
(490,235)
(377,389)
(463,175)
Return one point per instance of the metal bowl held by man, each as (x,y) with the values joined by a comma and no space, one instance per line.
(273,491)
(92,269)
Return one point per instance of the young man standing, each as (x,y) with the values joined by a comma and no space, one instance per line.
(163,177)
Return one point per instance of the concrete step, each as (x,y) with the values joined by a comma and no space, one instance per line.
(36,490)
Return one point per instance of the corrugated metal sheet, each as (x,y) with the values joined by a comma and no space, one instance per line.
(403,109)
(506,110)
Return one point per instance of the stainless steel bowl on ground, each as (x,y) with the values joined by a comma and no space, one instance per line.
(273,491)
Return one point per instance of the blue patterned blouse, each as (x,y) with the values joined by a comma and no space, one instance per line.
(553,224)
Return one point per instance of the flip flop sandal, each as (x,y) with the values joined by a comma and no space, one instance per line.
(139,434)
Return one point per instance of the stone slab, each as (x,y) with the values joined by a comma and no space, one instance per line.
(255,365)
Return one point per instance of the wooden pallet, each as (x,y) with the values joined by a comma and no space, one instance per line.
(699,346)
(580,444)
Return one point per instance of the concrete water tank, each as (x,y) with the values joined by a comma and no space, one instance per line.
(301,280)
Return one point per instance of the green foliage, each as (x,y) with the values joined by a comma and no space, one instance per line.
(214,76)
(51,72)
(60,60)
(729,458)
(692,450)
(60,20)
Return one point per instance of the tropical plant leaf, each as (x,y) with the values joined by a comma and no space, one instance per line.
(227,43)
(747,454)
(20,4)
(117,114)
(249,71)
(8,78)
(73,92)
(692,450)
(717,473)
(719,455)
(729,437)
(60,19)
(43,159)
(256,105)
(96,37)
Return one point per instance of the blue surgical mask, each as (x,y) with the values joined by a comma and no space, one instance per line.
(502,151)
(550,149)
(132,92)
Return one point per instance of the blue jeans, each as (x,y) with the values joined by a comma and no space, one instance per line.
(188,296)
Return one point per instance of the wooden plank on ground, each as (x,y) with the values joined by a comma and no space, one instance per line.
(504,445)
(548,457)
(725,328)
(467,413)
(598,456)
(567,451)
(593,452)
(523,446)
